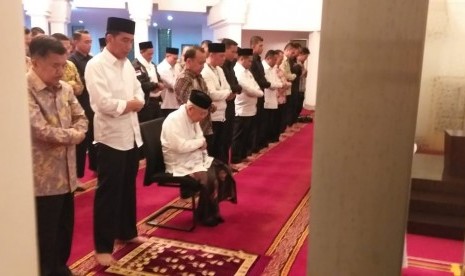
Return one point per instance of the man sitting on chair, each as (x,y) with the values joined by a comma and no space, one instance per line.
(185,154)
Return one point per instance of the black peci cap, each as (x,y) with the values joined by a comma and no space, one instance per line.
(216,47)
(245,52)
(200,99)
(145,45)
(121,25)
(174,51)
(102,42)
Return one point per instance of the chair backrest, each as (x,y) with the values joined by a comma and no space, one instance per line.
(151,132)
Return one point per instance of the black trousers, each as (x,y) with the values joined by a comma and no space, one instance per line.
(218,148)
(261,125)
(257,134)
(280,118)
(242,138)
(115,197)
(151,110)
(289,112)
(229,128)
(166,112)
(86,146)
(300,97)
(272,128)
(55,223)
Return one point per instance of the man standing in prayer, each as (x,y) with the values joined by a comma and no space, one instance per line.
(184,153)
(271,97)
(58,123)
(71,74)
(115,96)
(230,55)
(80,57)
(219,92)
(246,107)
(149,78)
(190,79)
(259,125)
(168,73)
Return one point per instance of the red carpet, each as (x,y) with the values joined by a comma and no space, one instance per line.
(272,194)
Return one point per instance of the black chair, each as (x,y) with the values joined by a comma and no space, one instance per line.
(155,173)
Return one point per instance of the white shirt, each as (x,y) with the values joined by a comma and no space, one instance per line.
(168,75)
(219,90)
(151,71)
(111,83)
(181,140)
(246,102)
(271,93)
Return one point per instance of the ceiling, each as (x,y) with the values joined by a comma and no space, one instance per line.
(91,16)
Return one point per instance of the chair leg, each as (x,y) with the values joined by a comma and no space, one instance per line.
(154,222)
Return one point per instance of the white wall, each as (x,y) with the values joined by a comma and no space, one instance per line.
(273,40)
(289,15)
(444,59)
(18,251)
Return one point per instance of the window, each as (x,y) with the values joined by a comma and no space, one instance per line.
(164,40)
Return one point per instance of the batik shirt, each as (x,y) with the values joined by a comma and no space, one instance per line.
(71,76)
(57,125)
(185,83)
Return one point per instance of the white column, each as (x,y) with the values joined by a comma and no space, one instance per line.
(18,252)
(368,88)
(60,14)
(39,11)
(312,66)
(141,12)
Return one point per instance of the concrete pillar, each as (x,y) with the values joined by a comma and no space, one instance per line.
(141,12)
(60,15)
(312,66)
(368,88)
(18,253)
(39,11)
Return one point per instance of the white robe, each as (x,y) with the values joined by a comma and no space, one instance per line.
(181,140)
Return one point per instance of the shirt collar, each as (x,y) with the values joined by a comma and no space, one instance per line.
(110,58)
(143,61)
(266,66)
(38,85)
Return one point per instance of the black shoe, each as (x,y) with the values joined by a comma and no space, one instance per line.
(211,222)
(219,219)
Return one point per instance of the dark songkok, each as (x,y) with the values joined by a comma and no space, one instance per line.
(174,51)
(216,47)
(121,25)
(145,45)
(200,99)
(102,42)
(245,52)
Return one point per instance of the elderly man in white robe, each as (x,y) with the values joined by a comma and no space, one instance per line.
(184,151)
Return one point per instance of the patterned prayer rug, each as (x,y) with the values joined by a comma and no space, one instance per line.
(421,266)
(170,257)
(289,241)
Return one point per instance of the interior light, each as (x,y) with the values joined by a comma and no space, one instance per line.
(155,24)
(169,17)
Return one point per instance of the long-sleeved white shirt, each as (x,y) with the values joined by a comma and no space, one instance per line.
(271,93)
(219,90)
(181,140)
(111,83)
(246,102)
(168,75)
